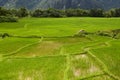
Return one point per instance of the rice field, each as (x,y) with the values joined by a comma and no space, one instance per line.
(46,49)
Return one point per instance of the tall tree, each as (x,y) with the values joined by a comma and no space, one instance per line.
(22,12)
(96,13)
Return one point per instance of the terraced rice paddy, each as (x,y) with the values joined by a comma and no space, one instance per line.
(46,49)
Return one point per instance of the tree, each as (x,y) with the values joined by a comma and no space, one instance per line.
(115,12)
(96,13)
(48,13)
(76,13)
(37,13)
(22,12)
(13,12)
(4,12)
(8,19)
(70,12)
(55,13)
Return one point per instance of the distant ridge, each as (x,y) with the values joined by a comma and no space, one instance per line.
(61,4)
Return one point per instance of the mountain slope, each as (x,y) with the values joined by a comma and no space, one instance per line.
(61,4)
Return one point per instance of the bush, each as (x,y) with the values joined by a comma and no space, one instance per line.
(4,35)
(8,19)
(116,33)
(48,13)
(96,13)
(105,33)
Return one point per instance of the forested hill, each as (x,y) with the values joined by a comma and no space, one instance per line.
(61,4)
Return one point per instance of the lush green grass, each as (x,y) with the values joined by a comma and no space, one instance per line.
(55,56)
(58,26)
(44,68)
(59,46)
(83,65)
(53,46)
(10,45)
(102,77)
(41,49)
(110,56)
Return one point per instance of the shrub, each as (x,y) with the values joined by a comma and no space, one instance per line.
(5,35)
(48,13)
(8,19)
(115,33)
(105,33)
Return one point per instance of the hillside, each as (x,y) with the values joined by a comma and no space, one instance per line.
(61,4)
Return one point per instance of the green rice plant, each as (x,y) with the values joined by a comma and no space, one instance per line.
(83,66)
(58,26)
(110,56)
(10,45)
(39,68)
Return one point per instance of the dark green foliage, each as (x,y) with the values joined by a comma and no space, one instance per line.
(116,31)
(76,12)
(55,13)
(48,13)
(22,12)
(4,12)
(96,13)
(70,12)
(60,13)
(8,19)
(9,12)
(111,33)
(4,35)
(115,12)
(105,33)
(14,12)
(37,13)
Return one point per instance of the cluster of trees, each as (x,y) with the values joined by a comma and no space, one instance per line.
(12,15)
(75,13)
(8,19)
(23,12)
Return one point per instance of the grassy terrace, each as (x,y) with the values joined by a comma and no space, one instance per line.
(55,56)
(58,26)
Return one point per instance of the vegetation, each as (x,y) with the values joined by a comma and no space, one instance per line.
(76,13)
(8,19)
(113,50)
(23,12)
(44,68)
(60,49)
